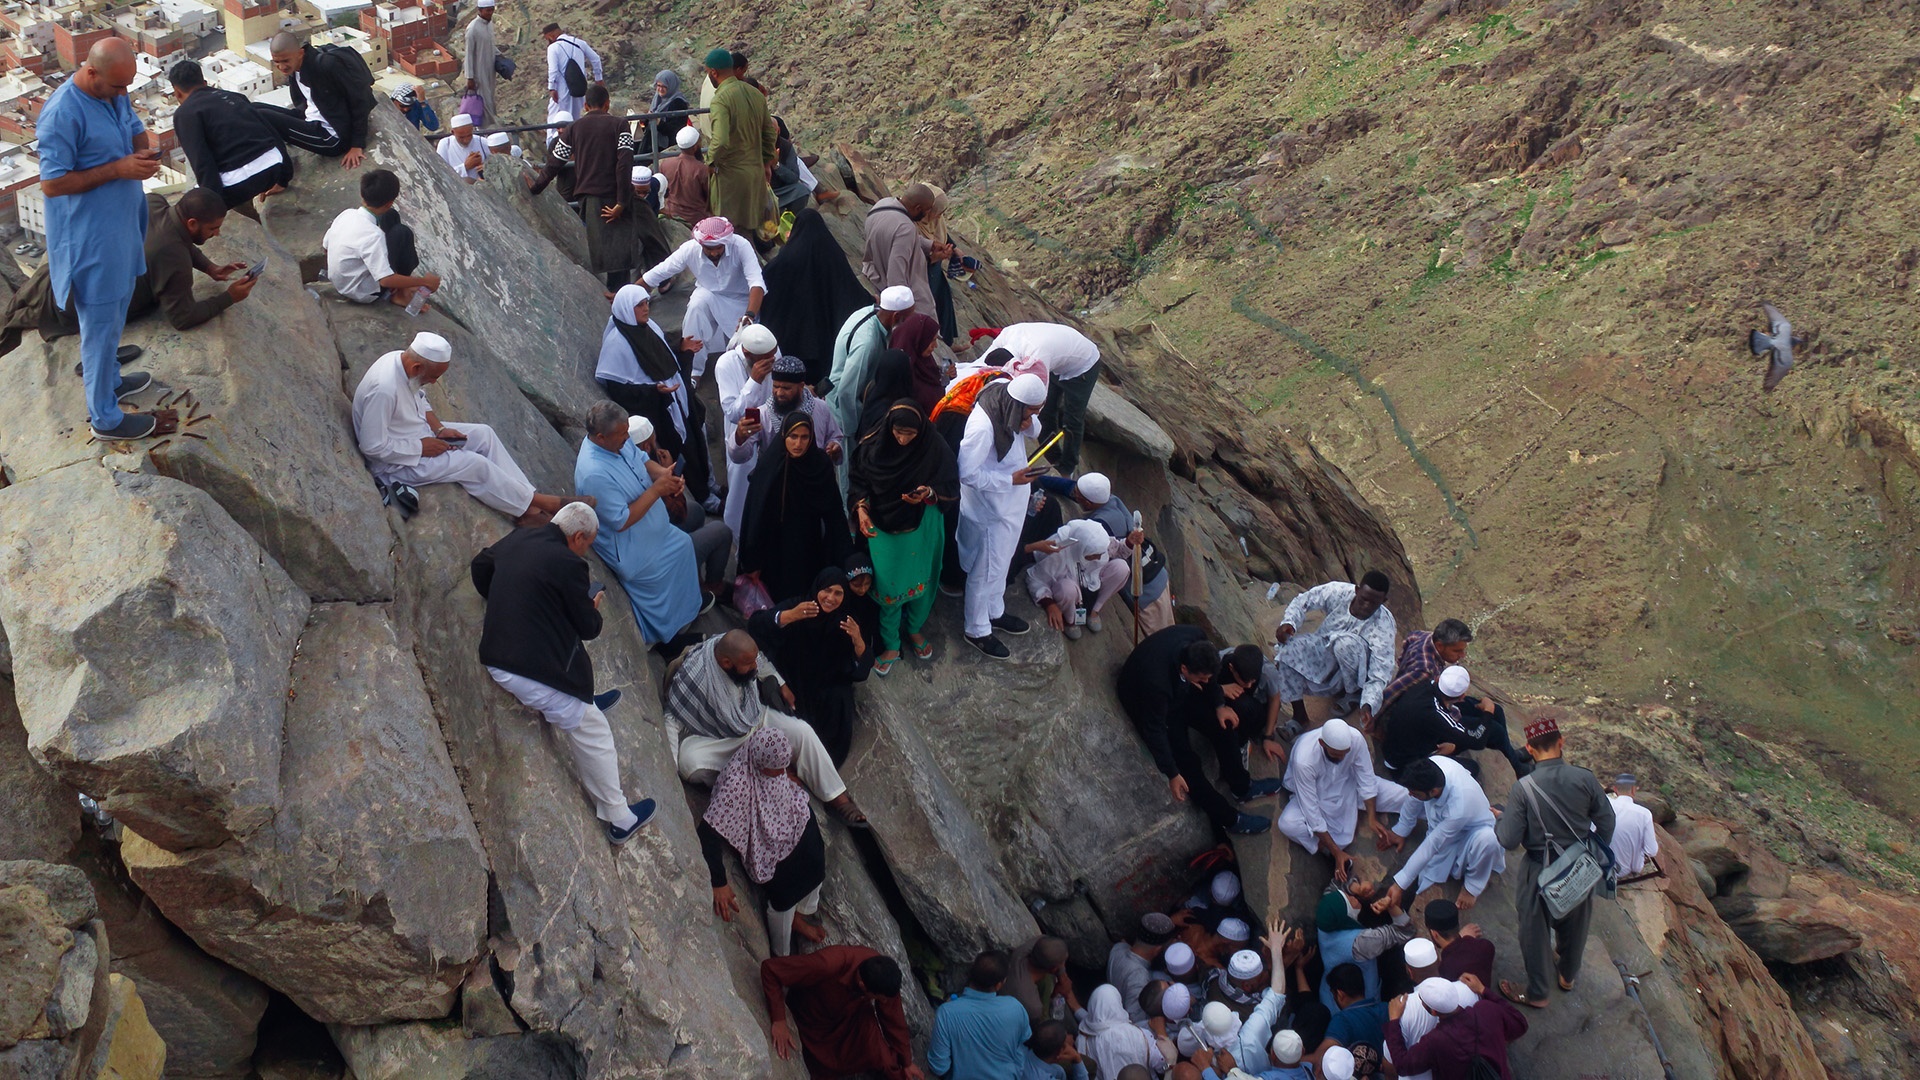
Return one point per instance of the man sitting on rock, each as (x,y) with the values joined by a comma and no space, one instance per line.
(407,446)
(1460,842)
(1425,653)
(1634,839)
(1330,773)
(540,607)
(232,150)
(332,96)
(846,1010)
(370,251)
(713,704)
(1349,658)
(712,540)
(1438,717)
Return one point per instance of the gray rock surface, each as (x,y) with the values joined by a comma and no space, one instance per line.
(39,815)
(546,213)
(366,899)
(69,1004)
(439,1051)
(153,675)
(1114,420)
(66,889)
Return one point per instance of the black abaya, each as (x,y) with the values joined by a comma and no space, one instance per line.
(811,289)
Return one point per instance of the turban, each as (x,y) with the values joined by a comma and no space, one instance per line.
(757,339)
(1233,929)
(1420,953)
(1178,958)
(712,230)
(431,347)
(896,298)
(1336,735)
(1028,390)
(1453,681)
(1097,489)
(1246,964)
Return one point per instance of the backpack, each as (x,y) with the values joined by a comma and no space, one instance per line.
(573,75)
(960,396)
(351,62)
(503,65)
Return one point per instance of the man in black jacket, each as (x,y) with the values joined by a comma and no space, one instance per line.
(541,606)
(1169,689)
(1439,717)
(332,98)
(232,150)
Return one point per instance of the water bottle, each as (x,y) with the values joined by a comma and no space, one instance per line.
(1080,615)
(419,302)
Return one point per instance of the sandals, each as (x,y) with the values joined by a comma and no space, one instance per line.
(883,668)
(1565,986)
(843,808)
(1518,997)
(922,649)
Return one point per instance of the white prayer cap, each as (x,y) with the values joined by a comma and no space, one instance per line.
(1438,995)
(1226,883)
(1286,1047)
(1233,929)
(639,429)
(1453,681)
(896,298)
(1097,489)
(1178,958)
(1175,1003)
(1420,953)
(1464,996)
(642,174)
(460,120)
(499,138)
(1028,390)
(1336,1064)
(688,138)
(1217,1019)
(484,4)
(431,347)
(757,339)
(1246,964)
(559,116)
(1336,735)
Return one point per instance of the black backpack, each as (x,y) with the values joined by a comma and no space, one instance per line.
(573,75)
(350,62)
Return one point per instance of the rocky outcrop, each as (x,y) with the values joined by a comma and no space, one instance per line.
(153,675)
(39,815)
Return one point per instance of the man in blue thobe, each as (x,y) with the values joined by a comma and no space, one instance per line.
(638,541)
(979,1033)
(93,155)
(1460,839)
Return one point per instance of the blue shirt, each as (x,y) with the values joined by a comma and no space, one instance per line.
(1361,1022)
(979,1035)
(1035,1069)
(96,240)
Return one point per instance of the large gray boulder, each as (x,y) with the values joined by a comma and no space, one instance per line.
(278,452)
(39,815)
(151,674)
(366,899)
(538,309)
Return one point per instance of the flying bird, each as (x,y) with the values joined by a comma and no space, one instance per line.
(1778,343)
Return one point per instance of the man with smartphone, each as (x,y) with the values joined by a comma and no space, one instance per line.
(94,153)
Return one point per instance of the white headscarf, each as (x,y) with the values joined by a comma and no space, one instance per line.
(1109,1037)
(616,355)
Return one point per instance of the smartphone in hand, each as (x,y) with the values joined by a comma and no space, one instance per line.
(680,467)
(594,590)
(257,269)
(753,413)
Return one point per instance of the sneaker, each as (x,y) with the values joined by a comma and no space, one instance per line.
(406,498)
(126,354)
(1250,824)
(134,426)
(606,701)
(643,811)
(1094,624)
(1010,624)
(990,645)
(706,602)
(1259,789)
(132,383)
(1072,633)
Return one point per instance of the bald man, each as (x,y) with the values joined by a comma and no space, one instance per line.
(94,153)
(897,253)
(332,93)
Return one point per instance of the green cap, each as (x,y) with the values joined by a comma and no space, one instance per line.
(719,60)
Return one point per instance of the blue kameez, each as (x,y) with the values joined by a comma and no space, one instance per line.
(653,559)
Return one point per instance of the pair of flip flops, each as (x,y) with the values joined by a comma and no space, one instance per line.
(923,650)
(402,495)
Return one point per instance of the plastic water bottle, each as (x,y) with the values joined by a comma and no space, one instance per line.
(1080,615)
(419,302)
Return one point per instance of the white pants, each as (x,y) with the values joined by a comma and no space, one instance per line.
(736,505)
(1065,589)
(712,318)
(986,551)
(702,757)
(1390,799)
(483,467)
(595,760)
(780,923)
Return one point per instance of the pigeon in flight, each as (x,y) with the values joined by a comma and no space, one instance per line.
(1778,343)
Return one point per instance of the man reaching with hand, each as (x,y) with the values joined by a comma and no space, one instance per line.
(1170,689)
(846,1006)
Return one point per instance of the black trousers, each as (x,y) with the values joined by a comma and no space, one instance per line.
(258,184)
(296,130)
(1229,744)
(1495,735)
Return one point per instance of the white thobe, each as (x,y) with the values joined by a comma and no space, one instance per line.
(478,63)
(390,419)
(1327,795)
(1460,841)
(992,509)
(1311,663)
(719,292)
(563,48)
(1067,353)
(455,155)
(1634,841)
(738,393)
(1416,1023)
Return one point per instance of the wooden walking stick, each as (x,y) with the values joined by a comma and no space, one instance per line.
(1136,578)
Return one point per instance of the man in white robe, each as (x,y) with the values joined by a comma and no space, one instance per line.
(744,377)
(463,151)
(727,286)
(405,443)
(480,54)
(1330,774)
(1349,658)
(1634,840)
(562,48)
(1460,841)
(993,505)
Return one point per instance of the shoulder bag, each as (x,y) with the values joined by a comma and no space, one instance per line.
(1573,872)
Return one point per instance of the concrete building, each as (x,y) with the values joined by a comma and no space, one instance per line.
(228,70)
(247,22)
